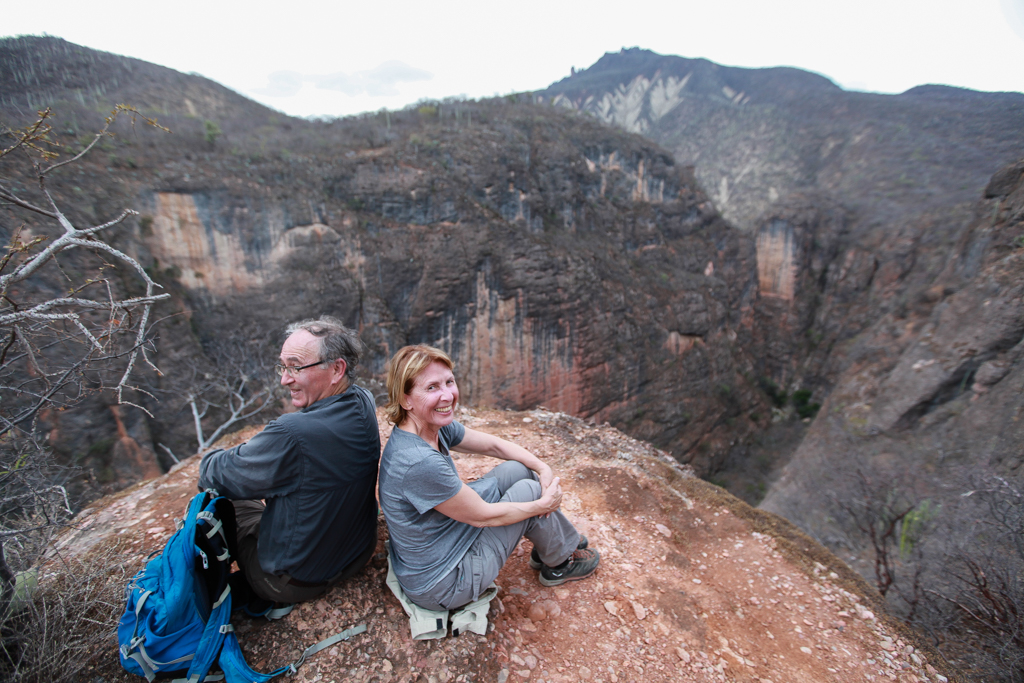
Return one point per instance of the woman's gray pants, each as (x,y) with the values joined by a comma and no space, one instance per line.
(554,537)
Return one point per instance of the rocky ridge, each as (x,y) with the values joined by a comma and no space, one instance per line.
(757,136)
(694,585)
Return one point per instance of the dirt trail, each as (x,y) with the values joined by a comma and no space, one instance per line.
(687,589)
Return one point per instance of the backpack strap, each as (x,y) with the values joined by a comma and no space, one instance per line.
(213,638)
(325,643)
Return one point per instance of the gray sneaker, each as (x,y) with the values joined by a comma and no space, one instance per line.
(535,562)
(580,565)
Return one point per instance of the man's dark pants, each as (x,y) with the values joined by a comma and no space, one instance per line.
(285,589)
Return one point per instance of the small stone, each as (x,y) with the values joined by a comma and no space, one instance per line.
(527,420)
(524,673)
(516,659)
(503,676)
(865,614)
(683,655)
(387,665)
(805,650)
(663,530)
(531,662)
(302,626)
(696,580)
(537,612)
(612,608)
(639,610)
(585,673)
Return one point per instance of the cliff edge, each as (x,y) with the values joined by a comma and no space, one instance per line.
(694,584)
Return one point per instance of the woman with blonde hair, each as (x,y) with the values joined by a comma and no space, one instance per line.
(449,539)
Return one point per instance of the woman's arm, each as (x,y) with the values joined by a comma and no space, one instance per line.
(468,507)
(488,444)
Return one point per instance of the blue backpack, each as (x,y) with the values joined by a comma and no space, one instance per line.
(177,620)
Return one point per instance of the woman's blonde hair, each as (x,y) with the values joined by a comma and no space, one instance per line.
(403,368)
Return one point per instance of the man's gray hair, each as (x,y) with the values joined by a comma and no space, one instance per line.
(336,340)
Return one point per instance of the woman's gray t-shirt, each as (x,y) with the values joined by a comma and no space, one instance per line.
(414,478)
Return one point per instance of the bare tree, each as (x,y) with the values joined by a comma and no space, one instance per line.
(237,385)
(67,328)
(234,399)
(891,520)
(984,571)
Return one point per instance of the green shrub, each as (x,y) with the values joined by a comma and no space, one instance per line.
(803,405)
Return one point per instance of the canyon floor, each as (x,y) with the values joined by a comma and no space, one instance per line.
(694,585)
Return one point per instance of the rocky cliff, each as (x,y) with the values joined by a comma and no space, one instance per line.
(857,202)
(561,262)
(931,394)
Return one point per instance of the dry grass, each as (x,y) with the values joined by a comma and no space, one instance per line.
(69,620)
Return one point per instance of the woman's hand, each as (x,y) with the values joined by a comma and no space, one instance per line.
(545,475)
(551,499)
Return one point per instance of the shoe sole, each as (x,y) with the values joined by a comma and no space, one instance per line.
(536,564)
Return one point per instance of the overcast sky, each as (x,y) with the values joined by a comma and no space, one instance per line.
(333,58)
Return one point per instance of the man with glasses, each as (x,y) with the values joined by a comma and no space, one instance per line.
(315,468)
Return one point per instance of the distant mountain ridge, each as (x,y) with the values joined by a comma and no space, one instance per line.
(757,136)
(38,70)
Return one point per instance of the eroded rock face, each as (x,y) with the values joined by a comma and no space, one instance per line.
(572,266)
(932,391)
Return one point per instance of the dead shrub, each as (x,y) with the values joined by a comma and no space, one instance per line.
(53,632)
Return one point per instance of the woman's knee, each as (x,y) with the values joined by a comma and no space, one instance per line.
(509,473)
(523,491)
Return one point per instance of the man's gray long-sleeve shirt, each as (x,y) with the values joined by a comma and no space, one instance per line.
(317,470)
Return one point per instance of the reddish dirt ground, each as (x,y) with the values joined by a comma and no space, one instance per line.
(687,590)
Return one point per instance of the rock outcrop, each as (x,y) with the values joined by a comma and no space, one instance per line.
(694,585)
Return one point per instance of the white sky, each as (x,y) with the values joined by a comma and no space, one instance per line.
(336,58)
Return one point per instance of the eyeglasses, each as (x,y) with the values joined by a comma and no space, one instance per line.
(293,371)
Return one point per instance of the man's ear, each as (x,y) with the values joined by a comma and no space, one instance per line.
(339,375)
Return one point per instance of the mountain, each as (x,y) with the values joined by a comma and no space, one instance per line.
(758,136)
(856,201)
(560,261)
(40,70)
